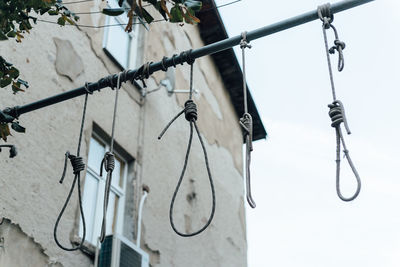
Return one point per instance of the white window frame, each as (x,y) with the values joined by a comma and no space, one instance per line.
(134,36)
(120,192)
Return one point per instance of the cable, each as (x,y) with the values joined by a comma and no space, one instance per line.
(336,112)
(78,165)
(122,24)
(108,161)
(76,2)
(190,111)
(247,123)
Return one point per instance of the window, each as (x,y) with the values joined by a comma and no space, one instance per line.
(121,46)
(93,194)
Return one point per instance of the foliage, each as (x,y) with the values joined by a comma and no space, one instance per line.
(180,11)
(15,21)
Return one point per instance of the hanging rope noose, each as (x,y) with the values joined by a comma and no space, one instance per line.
(77,165)
(247,123)
(190,111)
(336,112)
(108,161)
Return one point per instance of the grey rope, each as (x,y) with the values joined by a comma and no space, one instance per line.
(190,111)
(336,112)
(247,123)
(108,162)
(77,165)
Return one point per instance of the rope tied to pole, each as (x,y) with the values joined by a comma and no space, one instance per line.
(108,161)
(325,15)
(78,166)
(246,122)
(190,111)
(336,109)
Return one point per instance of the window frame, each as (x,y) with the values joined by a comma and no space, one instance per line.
(133,42)
(120,192)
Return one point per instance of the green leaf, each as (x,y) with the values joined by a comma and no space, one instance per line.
(12,34)
(18,128)
(16,87)
(146,15)
(113,11)
(3,37)
(13,72)
(61,21)
(176,14)
(5,82)
(52,12)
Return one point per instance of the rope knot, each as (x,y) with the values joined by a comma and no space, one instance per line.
(109,161)
(77,163)
(337,115)
(338,45)
(247,125)
(325,15)
(190,110)
(244,43)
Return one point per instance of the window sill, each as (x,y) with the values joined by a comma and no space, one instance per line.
(87,248)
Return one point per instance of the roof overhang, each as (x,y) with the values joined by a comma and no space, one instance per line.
(212,30)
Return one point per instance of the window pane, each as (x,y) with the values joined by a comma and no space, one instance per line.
(117,43)
(96,154)
(112,212)
(89,201)
(118,173)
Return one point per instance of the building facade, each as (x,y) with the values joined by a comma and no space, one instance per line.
(56,59)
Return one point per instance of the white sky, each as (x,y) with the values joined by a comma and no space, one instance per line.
(299,221)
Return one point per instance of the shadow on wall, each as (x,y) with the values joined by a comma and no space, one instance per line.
(17,249)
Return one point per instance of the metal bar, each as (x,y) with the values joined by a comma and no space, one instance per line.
(182,58)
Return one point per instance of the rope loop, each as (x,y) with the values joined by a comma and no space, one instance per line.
(190,110)
(325,15)
(173,60)
(190,60)
(246,122)
(244,43)
(77,165)
(110,79)
(336,109)
(87,88)
(183,57)
(164,63)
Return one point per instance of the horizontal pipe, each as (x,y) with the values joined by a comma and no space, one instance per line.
(182,58)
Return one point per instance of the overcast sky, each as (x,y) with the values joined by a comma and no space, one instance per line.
(299,220)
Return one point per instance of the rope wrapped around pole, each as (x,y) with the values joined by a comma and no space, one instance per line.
(336,109)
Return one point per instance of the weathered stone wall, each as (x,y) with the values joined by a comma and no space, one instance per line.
(54,60)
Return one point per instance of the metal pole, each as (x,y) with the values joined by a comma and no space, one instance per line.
(182,58)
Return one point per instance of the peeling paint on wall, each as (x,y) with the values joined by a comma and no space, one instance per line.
(17,249)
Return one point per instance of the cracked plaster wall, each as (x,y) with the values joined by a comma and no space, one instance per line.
(30,194)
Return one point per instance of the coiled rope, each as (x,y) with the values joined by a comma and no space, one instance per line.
(336,109)
(108,162)
(190,111)
(247,123)
(77,165)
